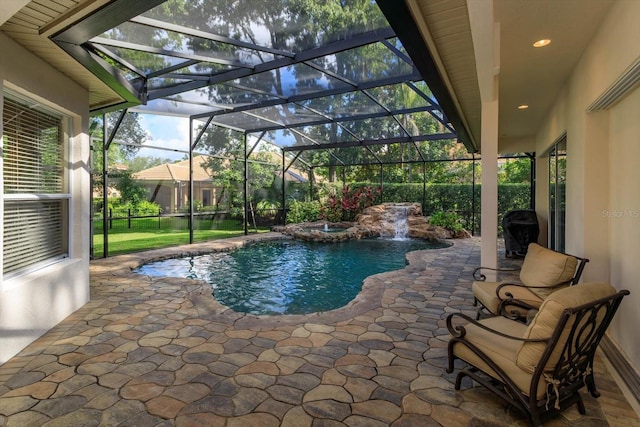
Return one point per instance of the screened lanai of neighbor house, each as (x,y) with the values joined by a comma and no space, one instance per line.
(369,83)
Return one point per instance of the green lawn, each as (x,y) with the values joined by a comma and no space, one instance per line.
(153,233)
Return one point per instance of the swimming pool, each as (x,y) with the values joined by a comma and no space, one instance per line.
(290,276)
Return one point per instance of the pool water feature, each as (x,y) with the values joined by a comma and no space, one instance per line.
(325,229)
(397,221)
(289,276)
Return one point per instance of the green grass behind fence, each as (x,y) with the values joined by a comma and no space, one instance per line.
(150,233)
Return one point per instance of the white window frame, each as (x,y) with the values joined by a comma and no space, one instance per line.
(63,251)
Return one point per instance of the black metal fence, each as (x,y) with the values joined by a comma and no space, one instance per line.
(123,232)
(126,220)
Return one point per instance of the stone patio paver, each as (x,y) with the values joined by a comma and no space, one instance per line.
(162,352)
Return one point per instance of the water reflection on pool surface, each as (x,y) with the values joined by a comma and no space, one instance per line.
(289,276)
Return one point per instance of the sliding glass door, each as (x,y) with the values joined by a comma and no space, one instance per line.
(557,194)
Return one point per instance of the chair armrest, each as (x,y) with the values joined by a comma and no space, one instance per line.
(515,314)
(582,262)
(507,299)
(458,331)
(521,285)
(477,273)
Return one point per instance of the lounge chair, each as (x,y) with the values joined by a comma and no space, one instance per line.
(539,367)
(543,272)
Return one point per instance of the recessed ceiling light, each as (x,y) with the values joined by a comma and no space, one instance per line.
(523,107)
(542,43)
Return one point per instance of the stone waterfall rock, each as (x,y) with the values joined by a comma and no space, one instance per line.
(374,221)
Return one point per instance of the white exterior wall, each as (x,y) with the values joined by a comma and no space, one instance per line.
(603,177)
(33,303)
(624,220)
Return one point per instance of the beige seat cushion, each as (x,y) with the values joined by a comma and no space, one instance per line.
(544,267)
(502,351)
(485,293)
(545,321)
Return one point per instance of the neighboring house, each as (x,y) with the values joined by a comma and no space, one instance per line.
(168,183)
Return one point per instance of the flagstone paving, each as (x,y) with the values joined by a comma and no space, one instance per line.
(162,352)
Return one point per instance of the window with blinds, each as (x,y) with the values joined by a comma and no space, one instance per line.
(34,188)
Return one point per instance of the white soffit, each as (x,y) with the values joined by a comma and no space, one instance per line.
(8,8)
(444,25)
(30,27)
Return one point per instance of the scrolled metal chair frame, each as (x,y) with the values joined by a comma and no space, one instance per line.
(574,367)
(508,300)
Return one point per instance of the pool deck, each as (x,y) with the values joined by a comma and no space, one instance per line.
(161,352)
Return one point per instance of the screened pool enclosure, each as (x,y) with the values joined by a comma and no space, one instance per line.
(333,85)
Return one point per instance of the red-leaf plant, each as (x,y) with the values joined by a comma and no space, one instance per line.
(347,207)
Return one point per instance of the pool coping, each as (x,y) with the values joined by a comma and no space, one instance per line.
(199,292)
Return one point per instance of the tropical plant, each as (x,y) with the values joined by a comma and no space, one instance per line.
(350,203)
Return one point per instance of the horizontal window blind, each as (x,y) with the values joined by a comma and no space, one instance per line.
(35,205)
(32,149)
(33,232)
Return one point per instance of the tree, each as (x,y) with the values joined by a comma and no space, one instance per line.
(130,135)
(515,171)
(288,26)
(131,191)
(126,143)
(297,25)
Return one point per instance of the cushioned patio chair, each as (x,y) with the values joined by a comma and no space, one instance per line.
(543,272)
(539,367)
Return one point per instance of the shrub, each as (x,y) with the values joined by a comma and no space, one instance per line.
(146,207)
(267,208)
(197,207)
(449,220)
(303,211)
(209,209)
(143,208)
(267,205)
(458,198)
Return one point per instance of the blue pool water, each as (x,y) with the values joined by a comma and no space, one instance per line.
(289,276)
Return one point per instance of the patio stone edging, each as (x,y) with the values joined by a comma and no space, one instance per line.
(209,308)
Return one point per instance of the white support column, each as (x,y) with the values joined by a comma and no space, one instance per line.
(485,33)
(489,192)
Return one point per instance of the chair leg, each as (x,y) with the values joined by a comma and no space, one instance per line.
(450,368)
(459,380)
(534,417)
(450,357)
(580,404)
(591,385)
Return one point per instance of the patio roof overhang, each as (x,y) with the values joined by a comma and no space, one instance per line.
(304,75)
